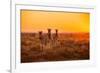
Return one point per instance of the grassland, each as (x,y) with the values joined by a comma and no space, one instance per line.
(68,46)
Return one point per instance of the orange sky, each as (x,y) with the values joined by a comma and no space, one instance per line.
(34,21)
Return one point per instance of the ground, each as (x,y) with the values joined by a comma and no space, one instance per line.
(68,46)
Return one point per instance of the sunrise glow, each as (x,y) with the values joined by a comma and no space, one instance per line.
(34,21)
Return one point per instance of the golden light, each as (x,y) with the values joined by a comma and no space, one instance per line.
(34,21)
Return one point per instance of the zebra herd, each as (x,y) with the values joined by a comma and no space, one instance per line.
(48,40)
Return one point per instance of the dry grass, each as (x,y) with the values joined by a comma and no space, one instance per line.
(69,46)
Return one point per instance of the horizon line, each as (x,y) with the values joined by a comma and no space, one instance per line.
(58,32)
